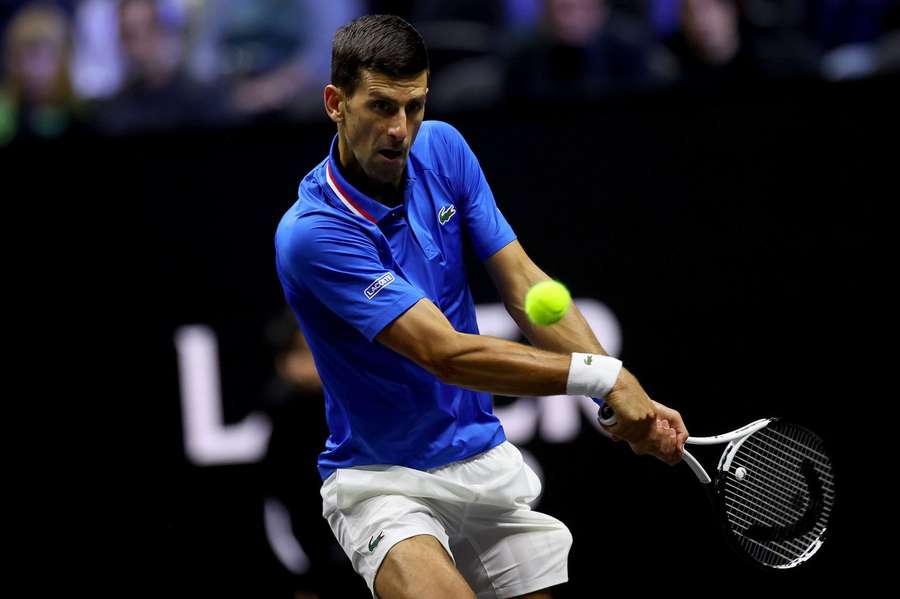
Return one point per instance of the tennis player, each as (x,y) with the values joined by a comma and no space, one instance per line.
(421,488)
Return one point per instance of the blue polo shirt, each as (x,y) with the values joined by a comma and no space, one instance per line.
(349,266)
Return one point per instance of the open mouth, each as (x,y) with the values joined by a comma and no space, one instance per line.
(391,154)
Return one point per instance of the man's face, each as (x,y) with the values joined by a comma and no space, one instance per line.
(381,120)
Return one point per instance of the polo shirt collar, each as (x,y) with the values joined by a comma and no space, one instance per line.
(354,200)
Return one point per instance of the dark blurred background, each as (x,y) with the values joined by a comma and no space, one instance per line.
(713,179)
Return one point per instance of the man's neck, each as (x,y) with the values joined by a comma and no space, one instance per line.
(391,195)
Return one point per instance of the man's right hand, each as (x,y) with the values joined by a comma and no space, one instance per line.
(661,443)
(638,423)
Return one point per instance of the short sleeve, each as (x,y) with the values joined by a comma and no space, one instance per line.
(486,225)
(340,265)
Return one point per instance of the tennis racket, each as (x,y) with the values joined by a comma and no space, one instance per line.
(773,489)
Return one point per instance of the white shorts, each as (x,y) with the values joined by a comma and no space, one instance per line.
(478,509)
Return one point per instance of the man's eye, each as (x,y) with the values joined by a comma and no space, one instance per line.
(382,106)
(414,107)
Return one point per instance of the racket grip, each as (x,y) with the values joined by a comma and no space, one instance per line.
(606,416)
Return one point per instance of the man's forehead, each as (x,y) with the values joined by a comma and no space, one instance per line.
(379,84)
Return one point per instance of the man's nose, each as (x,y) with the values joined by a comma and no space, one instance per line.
(397,130)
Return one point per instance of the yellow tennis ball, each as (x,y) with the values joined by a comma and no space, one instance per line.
(547,302)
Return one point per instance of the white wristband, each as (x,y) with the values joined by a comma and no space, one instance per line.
(592,374)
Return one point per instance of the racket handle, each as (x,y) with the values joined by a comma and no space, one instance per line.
(695,466)
(606,416)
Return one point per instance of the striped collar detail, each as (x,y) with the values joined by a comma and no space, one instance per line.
(344,197)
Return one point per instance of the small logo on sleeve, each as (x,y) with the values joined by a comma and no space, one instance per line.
(373,542)
(588,360)
(446,214)
(379,284)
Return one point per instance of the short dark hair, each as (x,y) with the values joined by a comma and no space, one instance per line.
(385,44)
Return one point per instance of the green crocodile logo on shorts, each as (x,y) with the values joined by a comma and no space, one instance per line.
(588,360)
(373,542)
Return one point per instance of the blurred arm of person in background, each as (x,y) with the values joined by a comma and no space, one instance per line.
(286,85)
(297,366)
(847,32)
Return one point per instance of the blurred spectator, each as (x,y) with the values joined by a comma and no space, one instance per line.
(274,55)
(300,537)
(158,94)
(714,46)
(583,49)
(36,99)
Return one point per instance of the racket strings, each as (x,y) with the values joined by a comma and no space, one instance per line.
(779,509)
(746,520)
(786,527)
(766,456)
(783,445)
(776,455)
(788,545)
(774,485)
(784,491)
(763,552)
(751,518)
(803,445)
(784,487)
(755,509)
(788,492)
(765,460)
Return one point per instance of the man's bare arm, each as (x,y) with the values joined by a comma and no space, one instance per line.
(424,335)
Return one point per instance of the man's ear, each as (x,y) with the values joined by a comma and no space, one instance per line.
(334,103)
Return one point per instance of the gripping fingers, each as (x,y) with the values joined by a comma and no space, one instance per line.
(662,441)
(668,448)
